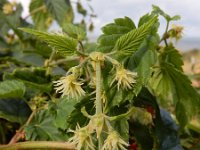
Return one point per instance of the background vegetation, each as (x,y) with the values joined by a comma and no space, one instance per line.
(30,110)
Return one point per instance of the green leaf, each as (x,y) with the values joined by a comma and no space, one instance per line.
(14,110)
(60,42)
(42,127)
(76,116)
(112,31)
(130,42)
(61,10)
(171,55)
(34,78)
(146,55)
(122,127)
(170,83)
(74,31)
(61,110)
(117,97)
(147,62)
(39,14)
(157,10)
(12,88)
(145,18)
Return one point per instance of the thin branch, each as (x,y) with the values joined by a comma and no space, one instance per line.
(19,133)
(165,35)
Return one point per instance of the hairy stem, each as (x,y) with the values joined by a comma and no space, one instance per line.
(38,145)
(98,88)
(98,96)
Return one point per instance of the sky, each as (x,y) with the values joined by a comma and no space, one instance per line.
(108,10)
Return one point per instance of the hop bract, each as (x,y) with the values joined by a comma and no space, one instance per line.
(82,138)
(114,142)
(124,78)
(69,86)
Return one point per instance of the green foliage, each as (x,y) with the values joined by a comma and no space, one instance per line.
(112,32)
(117,84)
(12,89)
(157,10)
(61,10)
(34,78)
(14,110)
(59,42)
(130,42)
(42,128)
(170,83)
(61,110)
(40,17)
(74,31)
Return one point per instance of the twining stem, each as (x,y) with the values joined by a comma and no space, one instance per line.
(98,96)
(38,145)
(98,88)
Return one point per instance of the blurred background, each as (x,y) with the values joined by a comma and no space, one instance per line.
(107,10)
(19,50)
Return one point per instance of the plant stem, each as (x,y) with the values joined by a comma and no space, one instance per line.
(165,34)
(98,88)
(48,71)
(38,145)
(98,96)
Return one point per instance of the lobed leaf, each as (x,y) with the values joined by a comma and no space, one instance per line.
(60,42)
(157,10)
(42,127)
(33,78)
(130,42)
(74,31)
(61,110)
(112,31)
(11,88)
(169,82)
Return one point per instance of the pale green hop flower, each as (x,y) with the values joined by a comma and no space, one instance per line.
(82,138)
(96,123)
(69,86)
(124,78)
(114,142)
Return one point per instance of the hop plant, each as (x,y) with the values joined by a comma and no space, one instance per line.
(176,32)
(96,123)
(124,78)
(82,138)
(114,142)
(69,86)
